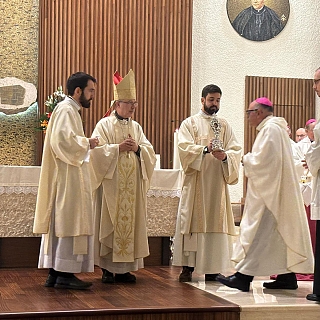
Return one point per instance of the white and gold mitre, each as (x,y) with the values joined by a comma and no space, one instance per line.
(124,88)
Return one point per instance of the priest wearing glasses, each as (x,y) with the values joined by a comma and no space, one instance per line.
(122,168)
(274,236)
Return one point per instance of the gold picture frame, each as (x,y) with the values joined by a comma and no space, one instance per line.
(258,20)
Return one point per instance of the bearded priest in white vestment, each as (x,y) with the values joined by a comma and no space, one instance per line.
(64,210)
(274,235)
(205,223)
(123,164)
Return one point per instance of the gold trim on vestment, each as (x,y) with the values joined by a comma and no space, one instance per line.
(126,205)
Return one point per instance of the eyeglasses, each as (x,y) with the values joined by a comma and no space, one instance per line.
(315,81)
(248,111)
(133,103)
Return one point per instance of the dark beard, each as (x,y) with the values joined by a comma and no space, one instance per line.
(84,102)
(210,111)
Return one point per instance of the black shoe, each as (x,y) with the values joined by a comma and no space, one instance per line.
(280,285)
(234,282)
(186,274)
(125,277)
(107,276)
(211,276)
(51,281)
(71,283)
(313,297)
(286,281)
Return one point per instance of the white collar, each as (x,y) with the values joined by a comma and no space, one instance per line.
(76,103)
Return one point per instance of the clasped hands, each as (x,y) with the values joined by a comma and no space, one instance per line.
(93,142)
(129,144)
(218,154)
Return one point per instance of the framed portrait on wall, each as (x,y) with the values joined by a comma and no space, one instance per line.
(258,20)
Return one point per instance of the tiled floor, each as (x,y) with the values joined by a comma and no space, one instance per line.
(266,304)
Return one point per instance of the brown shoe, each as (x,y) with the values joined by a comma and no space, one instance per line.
(186,274)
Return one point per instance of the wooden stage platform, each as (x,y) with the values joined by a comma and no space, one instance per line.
(157,295)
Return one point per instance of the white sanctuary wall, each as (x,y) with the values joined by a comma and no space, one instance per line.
(223,57)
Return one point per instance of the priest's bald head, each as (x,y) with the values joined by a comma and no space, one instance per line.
(310,124)
(258,110)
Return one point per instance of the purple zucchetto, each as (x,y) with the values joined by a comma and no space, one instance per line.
(265,101)
(310,121)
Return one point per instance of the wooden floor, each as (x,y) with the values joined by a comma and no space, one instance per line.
(157,295)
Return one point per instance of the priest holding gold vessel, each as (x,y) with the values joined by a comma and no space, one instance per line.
(210,158)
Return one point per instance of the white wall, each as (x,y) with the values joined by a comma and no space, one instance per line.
(222,57)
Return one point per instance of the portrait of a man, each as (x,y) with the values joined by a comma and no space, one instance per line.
(259,22)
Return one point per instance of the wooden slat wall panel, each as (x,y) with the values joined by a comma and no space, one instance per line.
(293,99)
(153,37)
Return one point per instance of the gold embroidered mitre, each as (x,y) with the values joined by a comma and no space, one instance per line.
(124,89)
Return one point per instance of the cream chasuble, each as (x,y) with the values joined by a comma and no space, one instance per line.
(205,202)
(120,183)
(273,199)
(205,223)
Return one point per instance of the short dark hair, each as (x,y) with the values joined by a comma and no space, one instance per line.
(265,107)
(210,88)
(78,79)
